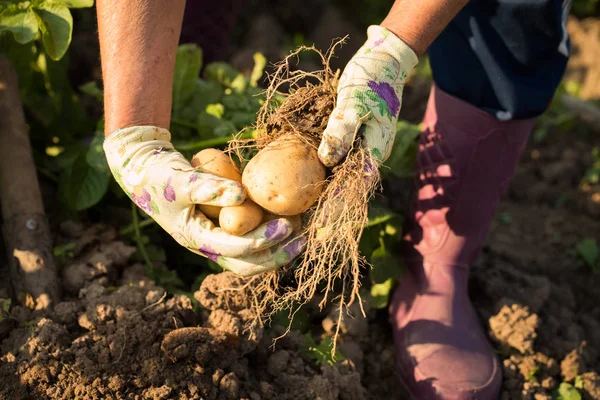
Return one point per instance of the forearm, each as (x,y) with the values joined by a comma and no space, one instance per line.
(418,23)
(138,44)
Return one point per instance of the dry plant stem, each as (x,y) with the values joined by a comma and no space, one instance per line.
(26,231)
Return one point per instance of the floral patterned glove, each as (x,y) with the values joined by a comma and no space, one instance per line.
(369,97)
(162,182)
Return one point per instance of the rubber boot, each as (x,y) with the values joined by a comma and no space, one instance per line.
(465,161)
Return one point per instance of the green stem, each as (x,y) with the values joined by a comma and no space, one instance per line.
(205,144)
(138,240)
(131,228)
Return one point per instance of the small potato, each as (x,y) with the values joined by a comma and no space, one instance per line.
(296,220)
(211,212)
(239,220)
(216,162)
(286,177)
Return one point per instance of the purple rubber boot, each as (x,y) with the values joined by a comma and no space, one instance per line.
(466,158)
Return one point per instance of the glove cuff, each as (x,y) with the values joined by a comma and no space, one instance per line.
(136,134)
(382,39)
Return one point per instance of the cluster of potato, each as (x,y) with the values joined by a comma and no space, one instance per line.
(283,180)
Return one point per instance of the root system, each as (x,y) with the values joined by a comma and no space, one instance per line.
(331,265)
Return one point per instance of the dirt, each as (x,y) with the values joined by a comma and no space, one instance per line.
(122,337)
(583,65)
(118,335)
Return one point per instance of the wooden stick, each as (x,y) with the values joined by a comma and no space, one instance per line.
(26,231)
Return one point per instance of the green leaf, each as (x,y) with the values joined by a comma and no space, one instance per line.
(78,3)
(237,102)
(210,126)
(380,293)
(588,250)
(69,117)
(216,110)
(188,63)
(386,265)
(239,84)
(402,157)
(167,278)
(56,24)
(242,119)
(205,93)
(380,215)
(81,186)
(260,62)
(566,391)
(64,159)
(22,23)
(22,58)
(211,92)
(92,89)
(6,305)
(95,156)
(207,124)
(532,374)
(225,128)
(321,353)
(369,241)
(222,73)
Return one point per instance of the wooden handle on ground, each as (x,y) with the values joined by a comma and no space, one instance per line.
(26,231)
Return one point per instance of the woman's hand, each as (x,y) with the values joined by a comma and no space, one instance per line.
(162,182)
(369,98)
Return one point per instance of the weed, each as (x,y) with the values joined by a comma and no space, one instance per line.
(566,391)
(589,251)
(321,353)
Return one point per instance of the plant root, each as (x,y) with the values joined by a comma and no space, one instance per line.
(332,264)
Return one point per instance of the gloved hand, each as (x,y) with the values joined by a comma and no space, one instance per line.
(369,98)
(162,182)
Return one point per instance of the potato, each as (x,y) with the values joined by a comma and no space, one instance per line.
(239,220)
(286,177)
(211,212)
(216,162)
(296,220)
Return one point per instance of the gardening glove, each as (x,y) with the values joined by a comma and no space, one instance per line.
(264,260)
(162,182)
(369,98)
